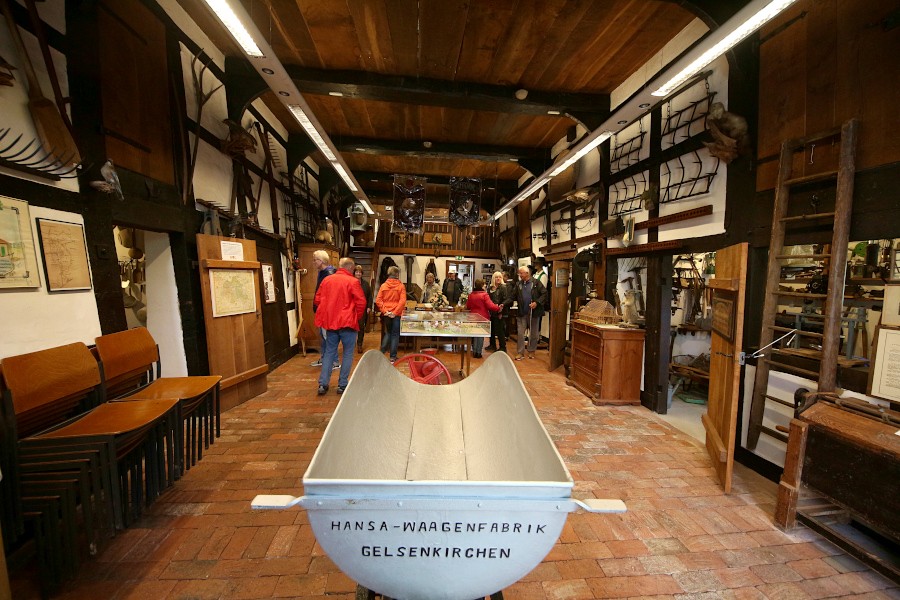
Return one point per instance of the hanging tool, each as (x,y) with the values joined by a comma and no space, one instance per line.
(640,289)
(51,129)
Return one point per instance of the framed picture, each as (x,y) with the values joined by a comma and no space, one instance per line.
(723,317)
(886,367)
(18,263)
(561,278)
(268,281)
(233,291)
(65,255)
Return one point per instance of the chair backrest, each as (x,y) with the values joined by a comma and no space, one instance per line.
(128,358)
(50,386)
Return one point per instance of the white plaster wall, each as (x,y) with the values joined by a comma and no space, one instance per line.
(14,100)
(163,314)
(34,319)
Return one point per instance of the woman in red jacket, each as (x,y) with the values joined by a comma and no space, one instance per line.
(480,303)
(391,300)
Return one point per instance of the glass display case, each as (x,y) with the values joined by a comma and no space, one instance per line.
(444,324)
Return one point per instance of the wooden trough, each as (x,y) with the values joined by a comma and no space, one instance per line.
(451,492)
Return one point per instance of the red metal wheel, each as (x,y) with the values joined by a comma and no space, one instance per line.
(424,369)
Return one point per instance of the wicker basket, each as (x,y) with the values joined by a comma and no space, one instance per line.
(598,312)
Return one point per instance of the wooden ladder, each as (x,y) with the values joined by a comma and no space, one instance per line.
(836,262)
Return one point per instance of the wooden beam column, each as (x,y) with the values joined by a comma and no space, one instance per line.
(658,318)
(559,304)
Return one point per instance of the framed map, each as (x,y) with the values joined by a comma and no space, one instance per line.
(18,263)
(65,255)
(233,292)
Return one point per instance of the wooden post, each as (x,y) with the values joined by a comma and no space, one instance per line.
(559,303)
(789,487)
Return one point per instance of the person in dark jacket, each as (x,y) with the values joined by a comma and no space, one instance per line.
(453,288)
(531,296)
(480,303)
(341,304)
(500,295)
(322,263)
(364,321)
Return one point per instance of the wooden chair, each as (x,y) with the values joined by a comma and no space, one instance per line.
(131,370)
(120,455)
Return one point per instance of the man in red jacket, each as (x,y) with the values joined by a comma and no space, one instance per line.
(340,305)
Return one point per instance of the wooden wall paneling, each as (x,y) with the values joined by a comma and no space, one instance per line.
(134,89)
(235,343)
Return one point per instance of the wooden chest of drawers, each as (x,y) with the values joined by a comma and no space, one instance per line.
(607,362)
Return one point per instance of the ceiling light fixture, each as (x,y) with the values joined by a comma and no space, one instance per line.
(239,24)
(553,112)
(311,131)
(594,140)
(740,26)
(235,27)
(749,19)
(521,94)
(336,94)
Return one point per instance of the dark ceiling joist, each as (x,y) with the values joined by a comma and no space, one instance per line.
(587,108)
(504,187)
(482,152)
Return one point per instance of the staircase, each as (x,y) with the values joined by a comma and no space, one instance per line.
(835,261)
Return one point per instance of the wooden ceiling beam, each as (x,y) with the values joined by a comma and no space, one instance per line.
(482,152)
(586,108)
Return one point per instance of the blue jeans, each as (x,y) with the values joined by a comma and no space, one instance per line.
(391,338)
(347,338)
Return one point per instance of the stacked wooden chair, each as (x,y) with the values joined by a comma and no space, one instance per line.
(75,466)
(131,369)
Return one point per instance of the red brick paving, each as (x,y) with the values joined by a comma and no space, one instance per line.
(681,539)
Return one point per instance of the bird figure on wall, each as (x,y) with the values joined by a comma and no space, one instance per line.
(110,183)
(728,131)
(6,73)
(239,140)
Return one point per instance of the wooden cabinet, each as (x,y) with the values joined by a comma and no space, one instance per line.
(607,362)
(307,291)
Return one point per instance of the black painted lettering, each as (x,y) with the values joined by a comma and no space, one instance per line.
(504,552)
(540,529)
(470,552)
(517,528)
(456,552)
(336,525)
(367,551)
(458,528)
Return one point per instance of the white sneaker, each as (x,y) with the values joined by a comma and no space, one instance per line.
(317,363)
(335,367)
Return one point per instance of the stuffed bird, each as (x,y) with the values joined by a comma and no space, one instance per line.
(110,183)
(729,133)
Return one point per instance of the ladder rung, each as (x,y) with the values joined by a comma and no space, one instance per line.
(799,294)
(812,217)
(811,178)
(818,256)
(780,401)
(775,434)
(796,370)
(797,331)
(822,135)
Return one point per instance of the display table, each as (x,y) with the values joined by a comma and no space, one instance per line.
(606,362)
(462,326)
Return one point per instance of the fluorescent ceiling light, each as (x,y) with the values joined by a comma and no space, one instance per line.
(234,25)
(311,131)
(343,173)
(750,18)
(576,156)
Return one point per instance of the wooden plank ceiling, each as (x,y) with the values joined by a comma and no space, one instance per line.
(579,48)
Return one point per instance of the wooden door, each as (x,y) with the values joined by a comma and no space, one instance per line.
(275,325)
(720,420)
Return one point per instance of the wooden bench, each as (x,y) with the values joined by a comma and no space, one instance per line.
(131,369)
(75,458)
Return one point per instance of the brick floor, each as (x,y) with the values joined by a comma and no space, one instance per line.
(682,537)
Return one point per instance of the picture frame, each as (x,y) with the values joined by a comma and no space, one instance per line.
(270,293)
(232,292)
(884,381)
(723,317)
(18,261)
(64,255)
